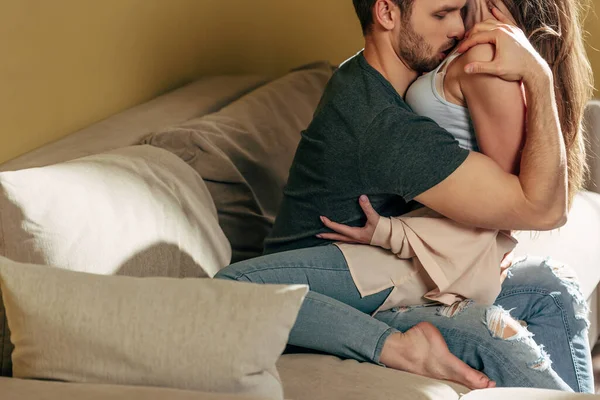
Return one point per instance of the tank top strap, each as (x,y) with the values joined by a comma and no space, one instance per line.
(444,65)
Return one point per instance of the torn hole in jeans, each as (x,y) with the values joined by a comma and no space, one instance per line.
(454,309)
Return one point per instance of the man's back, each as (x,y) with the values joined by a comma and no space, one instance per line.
(363,139)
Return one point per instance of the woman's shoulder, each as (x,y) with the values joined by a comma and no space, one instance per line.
(456,76)
(481,53)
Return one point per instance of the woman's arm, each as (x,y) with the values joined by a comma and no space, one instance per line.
(497,108)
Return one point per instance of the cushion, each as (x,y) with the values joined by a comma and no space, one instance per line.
(198,98)
(20,389)
(245,150)
(526,394)
(196,334)
(592,126)
(137,211)
(324,377)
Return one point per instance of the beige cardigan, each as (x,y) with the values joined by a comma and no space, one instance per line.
(429,258)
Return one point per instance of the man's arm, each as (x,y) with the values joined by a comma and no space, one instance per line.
(479,193)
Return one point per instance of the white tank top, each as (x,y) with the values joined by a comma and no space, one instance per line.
(426,97)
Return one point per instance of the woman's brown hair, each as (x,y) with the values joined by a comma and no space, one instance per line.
(555,29)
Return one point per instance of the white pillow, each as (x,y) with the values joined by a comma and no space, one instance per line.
(137,211)
(133,211)
(199,334)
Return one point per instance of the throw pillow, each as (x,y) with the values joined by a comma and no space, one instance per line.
(197,334)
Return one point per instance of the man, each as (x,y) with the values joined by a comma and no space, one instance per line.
(365,140)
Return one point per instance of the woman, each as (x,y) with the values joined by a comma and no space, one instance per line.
(510,356)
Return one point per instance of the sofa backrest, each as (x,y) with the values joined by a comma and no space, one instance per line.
(592,125)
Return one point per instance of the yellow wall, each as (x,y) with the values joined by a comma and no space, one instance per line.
(66,64)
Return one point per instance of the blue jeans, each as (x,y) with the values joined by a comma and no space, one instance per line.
(552,352)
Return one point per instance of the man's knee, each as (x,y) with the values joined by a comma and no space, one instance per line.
(563,276)
(566,281)
(549,275)
(558,280)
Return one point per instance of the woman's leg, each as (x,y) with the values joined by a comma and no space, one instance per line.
(545,295)
(332,310)
(487,339)
(334,319)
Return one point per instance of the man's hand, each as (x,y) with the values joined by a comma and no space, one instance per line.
(515,58)
(349,234)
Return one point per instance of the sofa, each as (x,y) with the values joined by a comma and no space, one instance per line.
(236,136)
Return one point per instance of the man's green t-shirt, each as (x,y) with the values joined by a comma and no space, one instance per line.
(363,139)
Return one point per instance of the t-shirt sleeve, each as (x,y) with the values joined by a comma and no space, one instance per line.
(405,154)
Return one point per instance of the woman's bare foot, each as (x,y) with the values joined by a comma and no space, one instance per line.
(423,351)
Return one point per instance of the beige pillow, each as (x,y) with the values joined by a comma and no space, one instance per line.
(197,334)
(244,152)
(137,211)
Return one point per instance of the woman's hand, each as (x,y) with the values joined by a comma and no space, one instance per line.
(347,234)
(505,264)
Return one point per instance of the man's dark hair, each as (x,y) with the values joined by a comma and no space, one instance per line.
(364,11)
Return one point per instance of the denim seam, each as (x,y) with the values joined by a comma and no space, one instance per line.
(566,324)
(240,274)
(379,348)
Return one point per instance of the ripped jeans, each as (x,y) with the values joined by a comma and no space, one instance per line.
(534,336)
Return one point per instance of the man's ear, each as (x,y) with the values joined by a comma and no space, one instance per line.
(386,14)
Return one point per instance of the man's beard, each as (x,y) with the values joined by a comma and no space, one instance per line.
(416,52)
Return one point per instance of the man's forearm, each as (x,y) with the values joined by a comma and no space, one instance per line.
(543,174)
